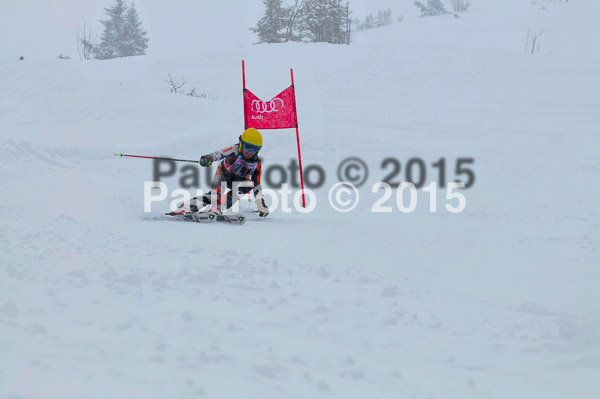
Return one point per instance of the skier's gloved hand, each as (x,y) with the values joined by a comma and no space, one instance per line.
(205,160)
(263,209)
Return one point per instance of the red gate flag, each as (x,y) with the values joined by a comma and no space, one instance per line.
(277,113)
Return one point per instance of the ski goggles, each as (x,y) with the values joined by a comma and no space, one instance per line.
(252,147)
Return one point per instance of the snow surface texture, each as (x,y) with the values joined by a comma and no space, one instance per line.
(101,300)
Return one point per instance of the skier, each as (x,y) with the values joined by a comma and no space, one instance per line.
(239,163)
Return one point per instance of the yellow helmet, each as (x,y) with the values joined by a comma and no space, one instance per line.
(253,138)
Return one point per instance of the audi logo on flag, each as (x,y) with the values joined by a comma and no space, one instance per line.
(261,107)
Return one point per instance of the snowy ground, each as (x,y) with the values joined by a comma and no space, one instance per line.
(101,300)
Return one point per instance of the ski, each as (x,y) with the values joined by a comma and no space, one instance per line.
(210,217)
(232,218)
(204,217)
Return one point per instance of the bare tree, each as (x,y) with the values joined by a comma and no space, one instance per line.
(533,39)
(292,15)
(85,42)
(175,85)
(348,31)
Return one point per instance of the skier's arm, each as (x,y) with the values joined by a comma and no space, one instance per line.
(208,159)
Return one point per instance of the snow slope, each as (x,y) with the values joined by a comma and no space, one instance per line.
(100,299)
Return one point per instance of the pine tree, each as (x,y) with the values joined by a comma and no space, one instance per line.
(136,41)
(384,17)
(327,21)
(122,36)
(109,46)
(293,15)
(270,28)
(369,22)
(306,20)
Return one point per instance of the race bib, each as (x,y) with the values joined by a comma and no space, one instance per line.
(242,168)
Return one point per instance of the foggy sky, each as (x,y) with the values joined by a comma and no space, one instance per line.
(41,29)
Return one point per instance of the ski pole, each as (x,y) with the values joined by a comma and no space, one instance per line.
(147,157)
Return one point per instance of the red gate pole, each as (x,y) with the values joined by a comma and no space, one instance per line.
(298,141)
(244,74)
(244,100)
(244,91)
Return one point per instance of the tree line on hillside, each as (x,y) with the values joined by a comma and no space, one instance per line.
(383,17)
(437,7)
(329,20)
(303,21)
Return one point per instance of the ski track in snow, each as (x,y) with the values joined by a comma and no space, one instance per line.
(99,299)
